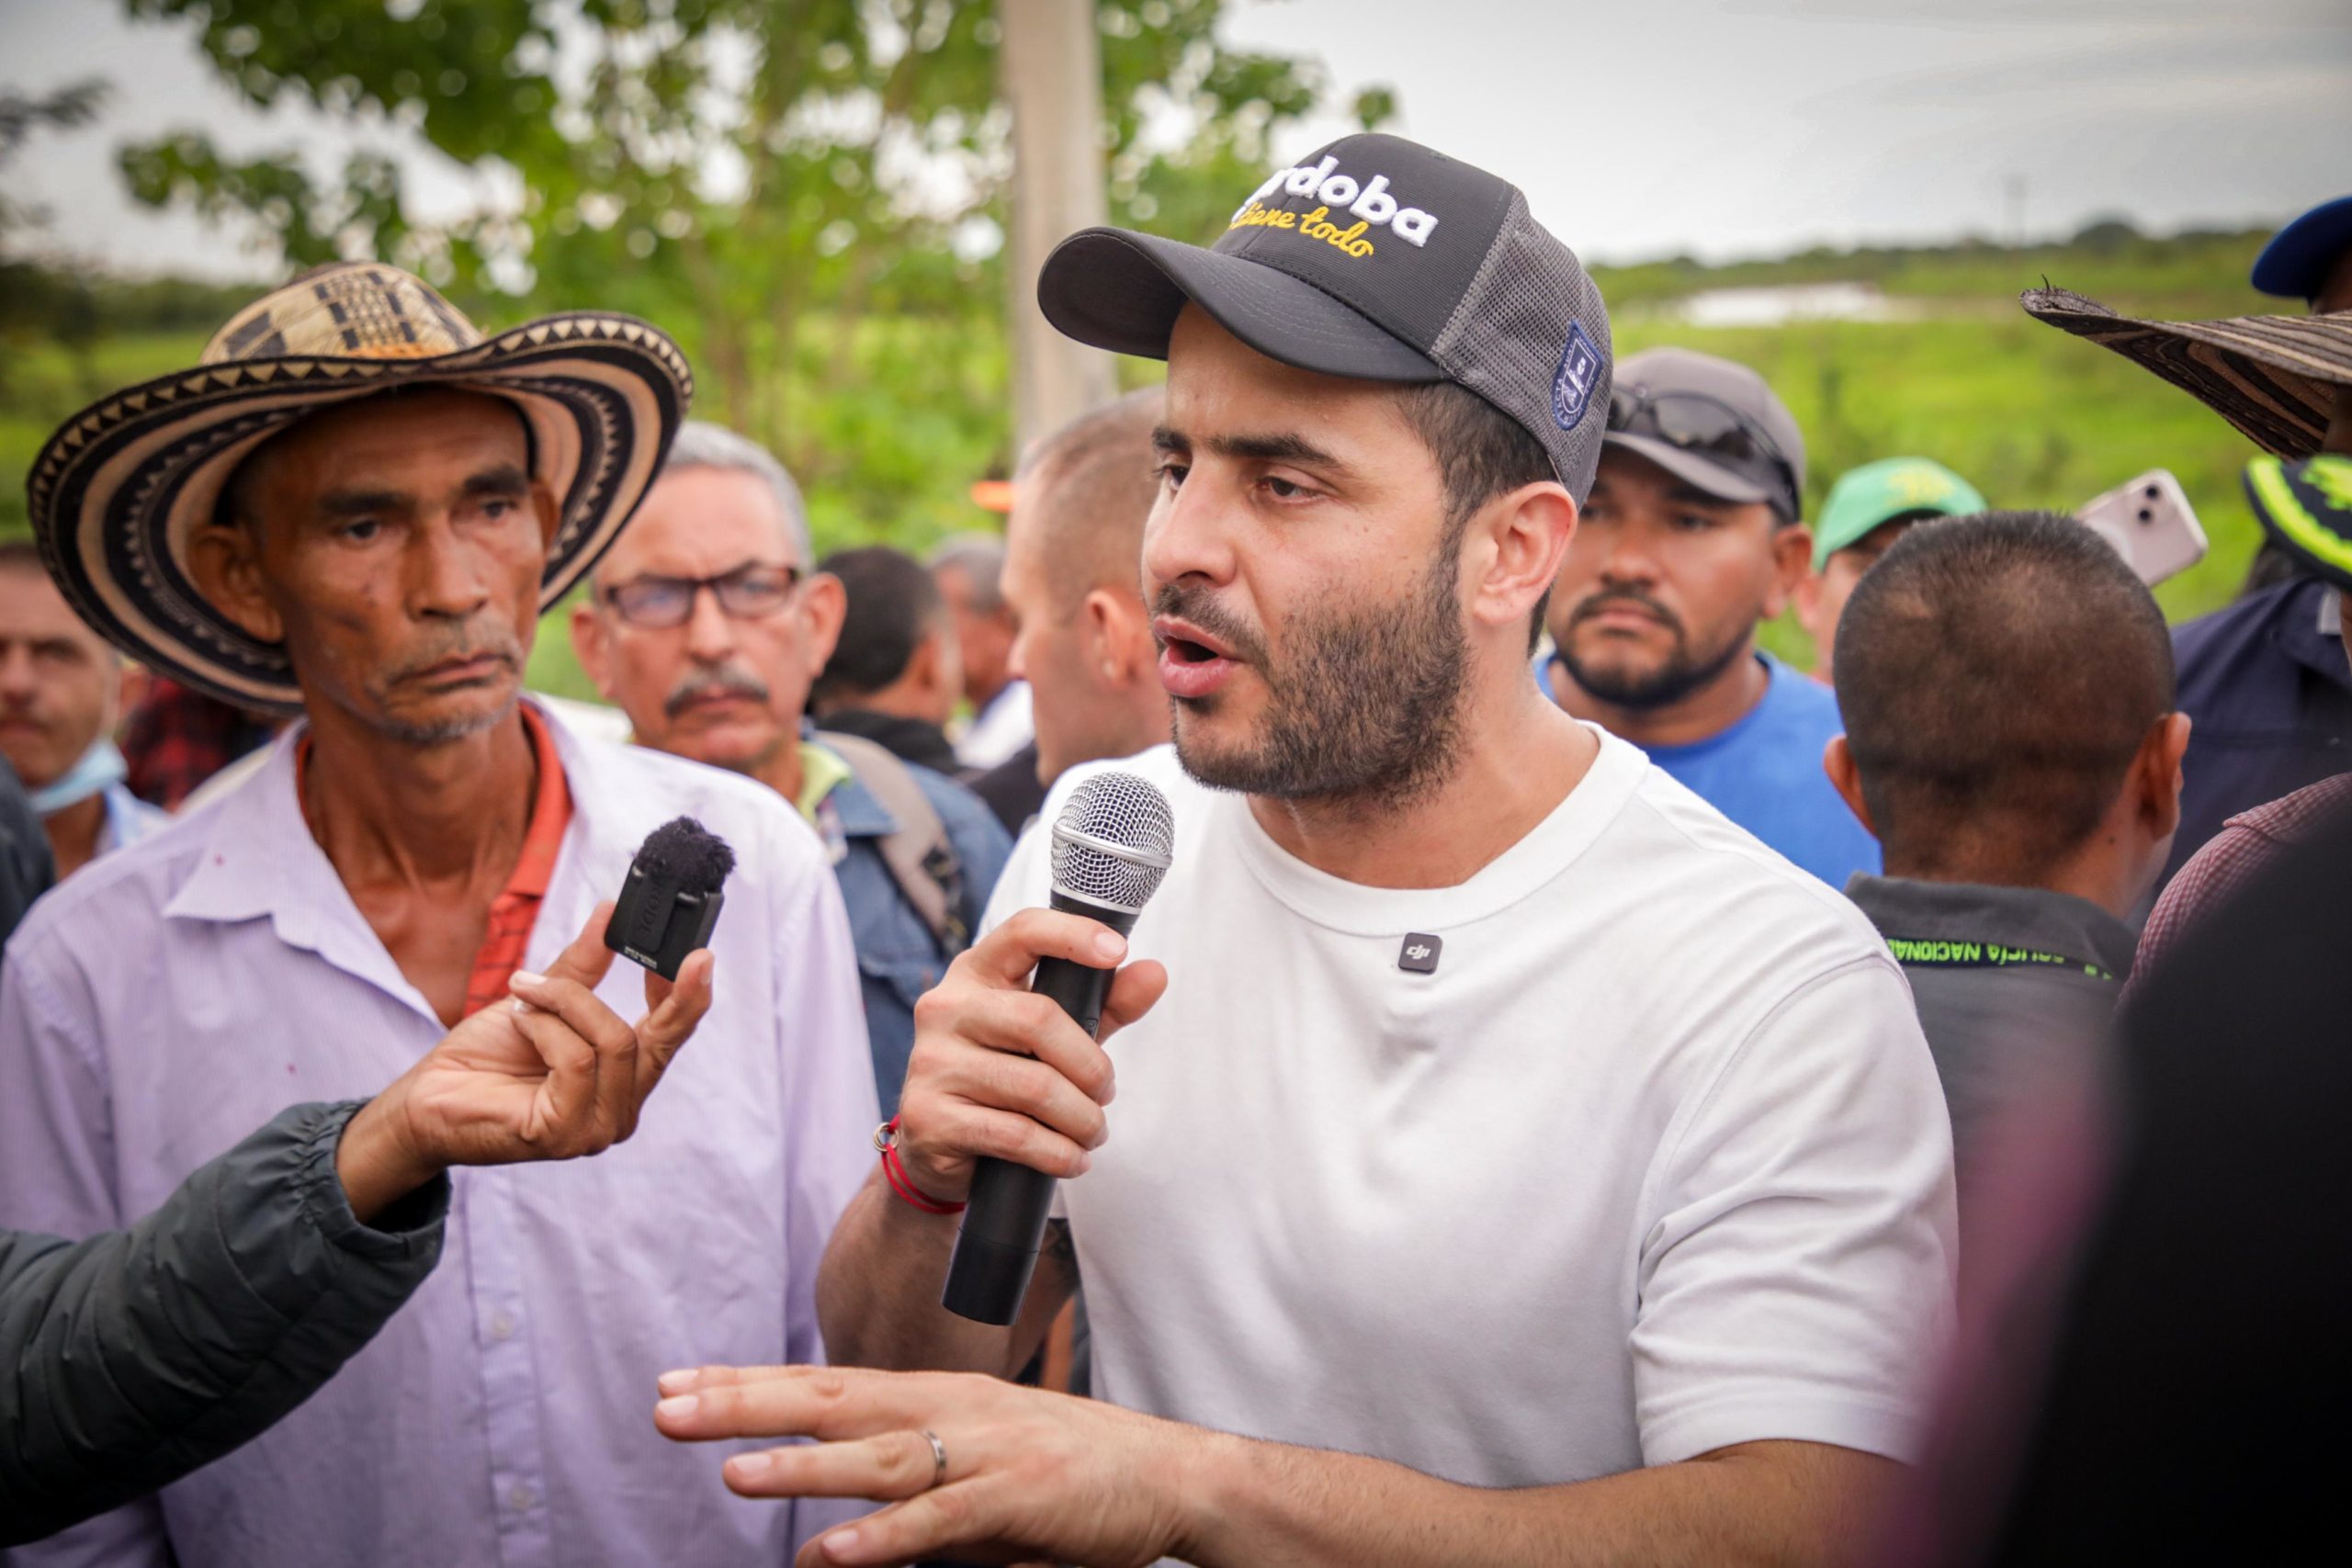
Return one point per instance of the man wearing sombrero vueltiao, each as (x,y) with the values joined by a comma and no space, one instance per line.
(355,509)
(2264,680)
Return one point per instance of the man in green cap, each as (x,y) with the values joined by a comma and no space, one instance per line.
(1868,510)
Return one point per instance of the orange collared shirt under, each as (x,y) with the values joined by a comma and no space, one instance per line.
(516,908)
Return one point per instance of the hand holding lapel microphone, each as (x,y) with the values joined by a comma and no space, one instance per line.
(670,903)
(1111,844)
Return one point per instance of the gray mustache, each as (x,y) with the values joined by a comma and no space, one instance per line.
(715,683)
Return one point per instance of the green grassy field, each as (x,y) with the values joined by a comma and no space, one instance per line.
(2032,416)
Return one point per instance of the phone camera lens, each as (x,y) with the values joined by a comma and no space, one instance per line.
(2151,492)
(2146,515)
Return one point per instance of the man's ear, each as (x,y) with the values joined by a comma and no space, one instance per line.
(824,606)
(926,667)
(1113,638)
(939,665)
(2157,772)
(1838,762)
(549,511)
(129,685)
(225,561)
(588,632)
(1807,596)
(1516,546)
(1792,564)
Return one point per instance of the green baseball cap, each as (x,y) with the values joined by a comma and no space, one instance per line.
(2306,508)
(1876,493)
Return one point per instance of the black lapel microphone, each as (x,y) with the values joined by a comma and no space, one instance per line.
(671,901)
(1110,846)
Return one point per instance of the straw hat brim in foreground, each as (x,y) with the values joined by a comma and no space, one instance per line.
(2272,377)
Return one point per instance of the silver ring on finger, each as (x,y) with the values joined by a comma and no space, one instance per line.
(938,1457)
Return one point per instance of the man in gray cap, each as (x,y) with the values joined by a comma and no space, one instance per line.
(1512,1162)
(1690,538)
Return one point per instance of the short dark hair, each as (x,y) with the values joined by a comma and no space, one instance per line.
(1088,489)
(1481,453)
(1996,675)
(893,604)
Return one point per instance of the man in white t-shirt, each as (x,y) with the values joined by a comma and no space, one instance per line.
(1511,1160)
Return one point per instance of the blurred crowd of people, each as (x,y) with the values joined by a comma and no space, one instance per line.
(1678,1104)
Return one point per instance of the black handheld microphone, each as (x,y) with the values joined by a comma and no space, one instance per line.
(1111,847)
(671,901)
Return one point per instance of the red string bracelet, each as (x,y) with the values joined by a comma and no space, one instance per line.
(894,1171)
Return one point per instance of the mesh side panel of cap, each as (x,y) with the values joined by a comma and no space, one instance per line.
(1112,841)
(1506,340)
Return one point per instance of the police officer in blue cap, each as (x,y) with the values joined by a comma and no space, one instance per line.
(2311,259)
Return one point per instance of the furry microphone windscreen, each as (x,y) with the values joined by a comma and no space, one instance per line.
(671,901)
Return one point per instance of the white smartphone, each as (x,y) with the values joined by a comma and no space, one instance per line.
(2151,524)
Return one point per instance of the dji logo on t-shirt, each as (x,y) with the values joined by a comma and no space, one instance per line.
(1420,953)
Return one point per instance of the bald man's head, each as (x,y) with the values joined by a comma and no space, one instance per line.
(1998,676)
(1084,493)
(1073,574)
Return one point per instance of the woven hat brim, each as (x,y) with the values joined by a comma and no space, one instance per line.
(2271,377)
(120,487)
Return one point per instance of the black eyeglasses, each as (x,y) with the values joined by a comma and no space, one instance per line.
(1695,423)
(746,593)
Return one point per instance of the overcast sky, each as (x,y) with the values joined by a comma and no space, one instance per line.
(1643,128)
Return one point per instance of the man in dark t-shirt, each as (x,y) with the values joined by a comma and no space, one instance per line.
(2011,739)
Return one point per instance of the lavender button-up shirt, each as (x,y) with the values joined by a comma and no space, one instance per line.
(180,992)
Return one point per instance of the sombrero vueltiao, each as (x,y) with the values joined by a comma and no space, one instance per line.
(121,486)
(2272,377)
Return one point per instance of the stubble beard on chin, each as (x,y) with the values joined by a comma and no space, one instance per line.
(441,732)
(1367,711)
(387,720)
(1661,685)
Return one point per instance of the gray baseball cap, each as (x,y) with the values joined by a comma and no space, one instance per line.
(1711,423)
(1377,259)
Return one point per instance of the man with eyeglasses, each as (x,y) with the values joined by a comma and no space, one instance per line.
(1691,537)
(707,628)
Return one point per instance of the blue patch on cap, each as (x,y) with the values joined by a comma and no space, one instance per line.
(1573,382)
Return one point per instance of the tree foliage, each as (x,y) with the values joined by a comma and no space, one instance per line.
(809,193)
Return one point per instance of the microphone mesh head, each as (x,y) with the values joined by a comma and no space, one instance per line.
(1112,842)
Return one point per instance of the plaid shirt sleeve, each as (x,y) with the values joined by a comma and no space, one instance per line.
(175,738)
(2211,878)
(2236,856)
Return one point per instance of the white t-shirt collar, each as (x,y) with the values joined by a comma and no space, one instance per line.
(1535,859)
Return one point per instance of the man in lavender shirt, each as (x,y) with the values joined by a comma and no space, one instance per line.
(379,561)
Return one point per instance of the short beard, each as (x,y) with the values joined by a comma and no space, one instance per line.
(484,636)
(1644,691)
(1368,710)
(442,732)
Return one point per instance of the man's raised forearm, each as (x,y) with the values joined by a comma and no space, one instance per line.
(1272,1505)
(877,1294)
